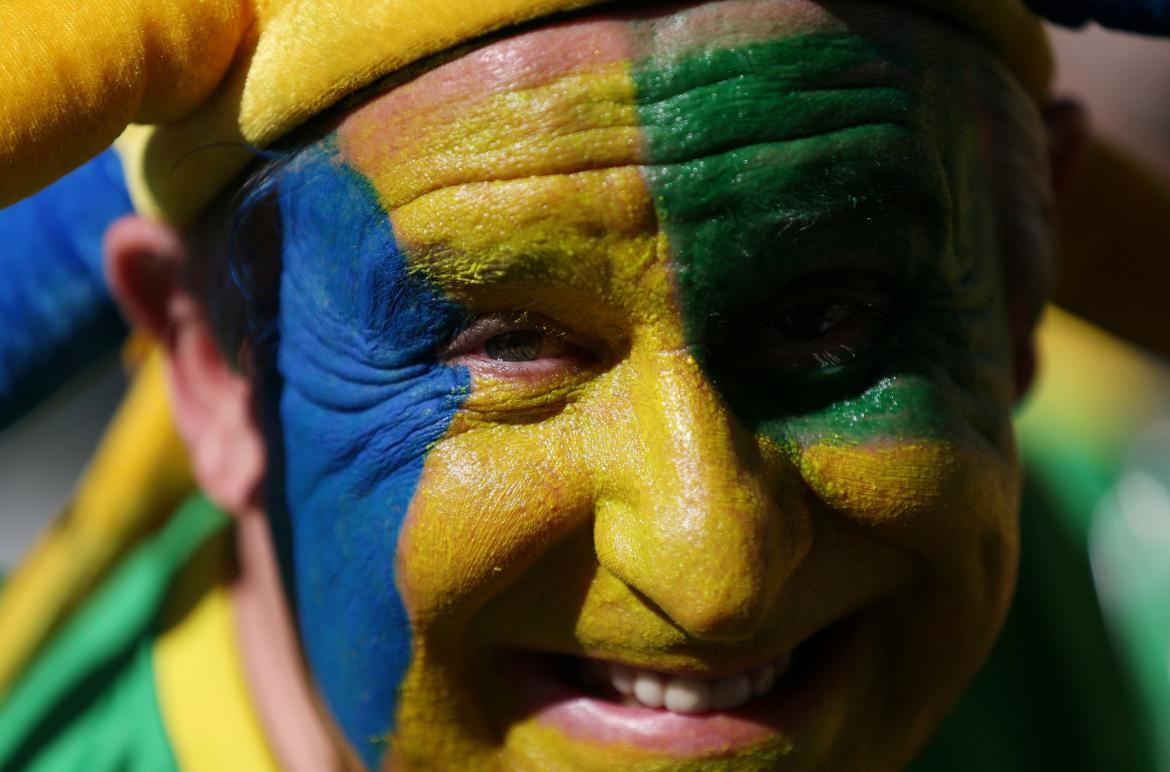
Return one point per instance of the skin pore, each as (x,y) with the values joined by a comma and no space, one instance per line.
(675,339)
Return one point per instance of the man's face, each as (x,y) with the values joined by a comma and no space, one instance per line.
(664,350)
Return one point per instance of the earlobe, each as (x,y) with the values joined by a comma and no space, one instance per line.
(1067,126)
(1024,361)
(211,402)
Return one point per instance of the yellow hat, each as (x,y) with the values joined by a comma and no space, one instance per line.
(207,81)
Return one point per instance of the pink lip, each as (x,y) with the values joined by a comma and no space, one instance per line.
(794,702)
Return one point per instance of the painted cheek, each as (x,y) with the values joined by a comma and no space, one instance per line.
(898,449)
(362,401)
(902,461)
(490,503)
(880,482)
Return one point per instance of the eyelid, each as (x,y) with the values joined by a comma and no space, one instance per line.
(485,326)
(818,286)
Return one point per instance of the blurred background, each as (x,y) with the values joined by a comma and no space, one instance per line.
(42,456)
(1124,80)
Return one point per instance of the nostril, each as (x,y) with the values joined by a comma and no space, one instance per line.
(702,533)
(724,621)
(712,574)
(704,612)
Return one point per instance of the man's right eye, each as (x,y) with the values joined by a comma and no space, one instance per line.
(515,346)
(519,345)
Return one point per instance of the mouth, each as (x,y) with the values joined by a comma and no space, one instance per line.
(637,687)
(687,714)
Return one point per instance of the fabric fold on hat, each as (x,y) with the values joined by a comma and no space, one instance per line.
(75,74)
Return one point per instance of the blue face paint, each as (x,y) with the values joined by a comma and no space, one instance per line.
(363,398)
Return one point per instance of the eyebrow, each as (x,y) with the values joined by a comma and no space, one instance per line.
(529,246)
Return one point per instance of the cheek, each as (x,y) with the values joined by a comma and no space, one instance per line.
(939,498)
(950,504)
(881,482)
(491,502)
(360,405)
(350,477)
(912,468)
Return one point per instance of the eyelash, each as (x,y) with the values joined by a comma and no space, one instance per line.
(840,342)
(472,342)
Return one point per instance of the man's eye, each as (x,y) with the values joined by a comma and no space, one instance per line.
(811,321)
(515,346)
(519,344)
(824,331)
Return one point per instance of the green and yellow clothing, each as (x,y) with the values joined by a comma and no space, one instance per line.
(146,674)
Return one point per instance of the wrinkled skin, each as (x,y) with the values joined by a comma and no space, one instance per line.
(667,338)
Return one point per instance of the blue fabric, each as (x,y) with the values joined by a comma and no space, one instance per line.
(56,315)
(1151,17)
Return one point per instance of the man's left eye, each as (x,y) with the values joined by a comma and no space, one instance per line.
(811,321)
(821,330)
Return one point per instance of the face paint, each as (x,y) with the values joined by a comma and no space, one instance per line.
(362,400)
(678,351)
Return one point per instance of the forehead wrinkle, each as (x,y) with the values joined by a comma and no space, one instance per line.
(599,119)
(593,231)
(788,88)
(579,120)
(539,117)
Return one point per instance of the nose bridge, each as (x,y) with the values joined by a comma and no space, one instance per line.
(690,521)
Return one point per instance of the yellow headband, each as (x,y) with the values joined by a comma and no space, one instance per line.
(206,80)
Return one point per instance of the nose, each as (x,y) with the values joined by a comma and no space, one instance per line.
(691,516)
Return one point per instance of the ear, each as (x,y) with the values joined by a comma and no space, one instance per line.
(1067,127)
(212,402)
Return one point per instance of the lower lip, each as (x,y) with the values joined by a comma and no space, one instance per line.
(796,700)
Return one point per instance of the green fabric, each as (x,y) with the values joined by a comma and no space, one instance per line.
(1130,545)
(89,702)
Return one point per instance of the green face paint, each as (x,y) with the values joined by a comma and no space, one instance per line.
(831,170)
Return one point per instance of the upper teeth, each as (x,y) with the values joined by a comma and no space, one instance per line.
(680,694)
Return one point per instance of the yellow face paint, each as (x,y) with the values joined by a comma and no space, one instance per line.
(623,482)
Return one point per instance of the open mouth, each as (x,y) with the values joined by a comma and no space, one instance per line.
(688,713)
(632,686)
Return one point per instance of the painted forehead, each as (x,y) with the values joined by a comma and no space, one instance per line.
(733,107)
(598,93)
